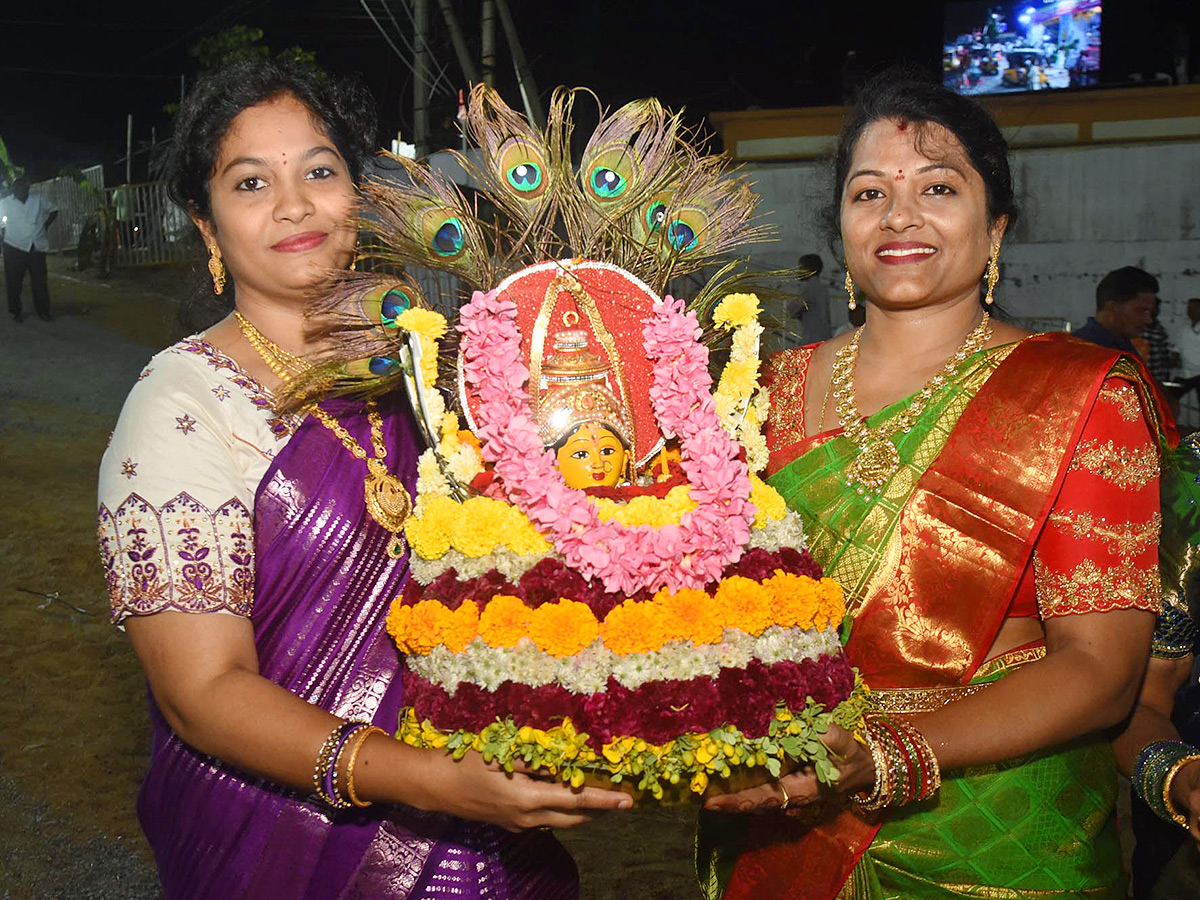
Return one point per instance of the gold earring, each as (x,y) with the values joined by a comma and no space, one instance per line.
(992,274)
(853,304)
(216,268)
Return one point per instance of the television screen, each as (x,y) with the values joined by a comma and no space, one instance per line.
(1000,48)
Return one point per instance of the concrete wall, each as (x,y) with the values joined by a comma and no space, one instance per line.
(1085,211)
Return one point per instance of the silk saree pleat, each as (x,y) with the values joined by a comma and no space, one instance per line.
(323,584)
(930,568)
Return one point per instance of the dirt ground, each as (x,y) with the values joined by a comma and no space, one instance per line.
(74,743)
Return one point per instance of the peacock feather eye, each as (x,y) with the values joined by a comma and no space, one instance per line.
(448,240)
(656,214)
(608,183)
(383,365)
(681,235)
(394,303)
(525,177)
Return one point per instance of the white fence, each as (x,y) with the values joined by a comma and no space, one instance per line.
(149,228)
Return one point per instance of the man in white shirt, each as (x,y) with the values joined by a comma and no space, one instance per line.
(24,220)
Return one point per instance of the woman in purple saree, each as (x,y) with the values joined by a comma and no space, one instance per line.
(254,583)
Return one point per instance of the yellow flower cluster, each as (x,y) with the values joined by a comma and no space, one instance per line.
(646,510)
(474,528)
(736,310)
(769,502)
(566,627)
(425,322)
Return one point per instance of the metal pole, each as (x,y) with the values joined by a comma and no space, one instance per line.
(488,42)
(529,94)
(460,45)
(420,91)
(129,148)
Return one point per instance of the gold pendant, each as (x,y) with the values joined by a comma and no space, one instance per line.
(387,499)
(877,463)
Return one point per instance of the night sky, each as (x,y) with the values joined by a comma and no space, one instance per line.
(72,72)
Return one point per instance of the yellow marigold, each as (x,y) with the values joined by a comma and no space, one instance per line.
(768,501)
(479,526)
(646,510)
(424,322)
(736,310)
(449,439)
(425,626)
(524,539)
(427,539)
(746,604)
(691,614)
(429,360)
(398,619)
(563,628)
(504,621)
(635,627)
(834,601)
(460,626)
(795,600)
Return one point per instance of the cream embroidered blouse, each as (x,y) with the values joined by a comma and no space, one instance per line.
(177,485)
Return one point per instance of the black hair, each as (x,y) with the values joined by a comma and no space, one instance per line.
(340,108)
(812,262)
(901,93)
(1123,284)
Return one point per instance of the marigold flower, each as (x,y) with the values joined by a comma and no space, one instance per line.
(736,310)
(635,627)
(461,626)
(424,322)
(746,604)
(563,628)
(398,619)
(796,600)
(504,621)
(691,614)
(425,627)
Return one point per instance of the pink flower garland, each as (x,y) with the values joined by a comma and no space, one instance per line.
(625,559)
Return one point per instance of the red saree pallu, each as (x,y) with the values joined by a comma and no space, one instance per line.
(927,608)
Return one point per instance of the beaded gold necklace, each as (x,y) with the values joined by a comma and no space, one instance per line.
(388,502)
(878,457)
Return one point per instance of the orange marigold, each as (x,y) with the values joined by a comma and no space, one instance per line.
(691,614)
(834,601)
(425,626)
(563,628)
(746,604)
(636,627)
(795,600)
(461,626)
(398,618)
(504,621)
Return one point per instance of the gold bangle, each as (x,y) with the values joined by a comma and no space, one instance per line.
(1176,816)
(361,739)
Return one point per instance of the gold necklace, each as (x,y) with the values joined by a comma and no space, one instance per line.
(878,457)
(388,501)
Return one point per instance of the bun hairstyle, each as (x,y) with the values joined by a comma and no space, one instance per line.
(341,108)
(903,95)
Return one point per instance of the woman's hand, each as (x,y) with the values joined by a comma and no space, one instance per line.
(472,789)
(851,759)
(1185,797)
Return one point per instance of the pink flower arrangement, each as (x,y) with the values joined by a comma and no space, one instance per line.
(624,559)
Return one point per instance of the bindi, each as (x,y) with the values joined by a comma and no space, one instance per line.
(900,175)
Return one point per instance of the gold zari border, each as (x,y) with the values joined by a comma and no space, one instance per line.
(1088,588)
(1126,467)
(1123,539)
(915,701)
(1125,398)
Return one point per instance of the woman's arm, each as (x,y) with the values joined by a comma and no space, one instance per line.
(1087,681)
(203,671)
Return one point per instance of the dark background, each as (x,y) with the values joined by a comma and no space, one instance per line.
(71,72)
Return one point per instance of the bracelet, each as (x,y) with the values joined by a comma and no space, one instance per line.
(324,778)
(361,739)
(906,768)
(1156,767)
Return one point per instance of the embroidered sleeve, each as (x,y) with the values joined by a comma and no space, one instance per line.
(175,521)
(1099,549)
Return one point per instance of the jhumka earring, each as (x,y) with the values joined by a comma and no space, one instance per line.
(216,268)
(992,274)
(853,304)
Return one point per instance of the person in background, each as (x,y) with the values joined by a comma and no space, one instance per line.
(1188,341)
(814,311)
(1161,358)
(25,219)
(1125,300)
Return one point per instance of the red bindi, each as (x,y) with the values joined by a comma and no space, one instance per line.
(900,175)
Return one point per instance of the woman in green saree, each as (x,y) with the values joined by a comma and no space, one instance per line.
(994,520)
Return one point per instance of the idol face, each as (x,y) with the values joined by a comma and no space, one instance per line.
(591,456)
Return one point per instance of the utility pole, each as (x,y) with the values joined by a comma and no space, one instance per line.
(529,94)
(129,148)
(420,67)
(460,45)
(488,42)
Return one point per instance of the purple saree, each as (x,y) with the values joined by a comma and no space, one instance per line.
(323,583)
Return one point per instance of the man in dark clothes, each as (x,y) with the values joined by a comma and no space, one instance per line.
(1125,300)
